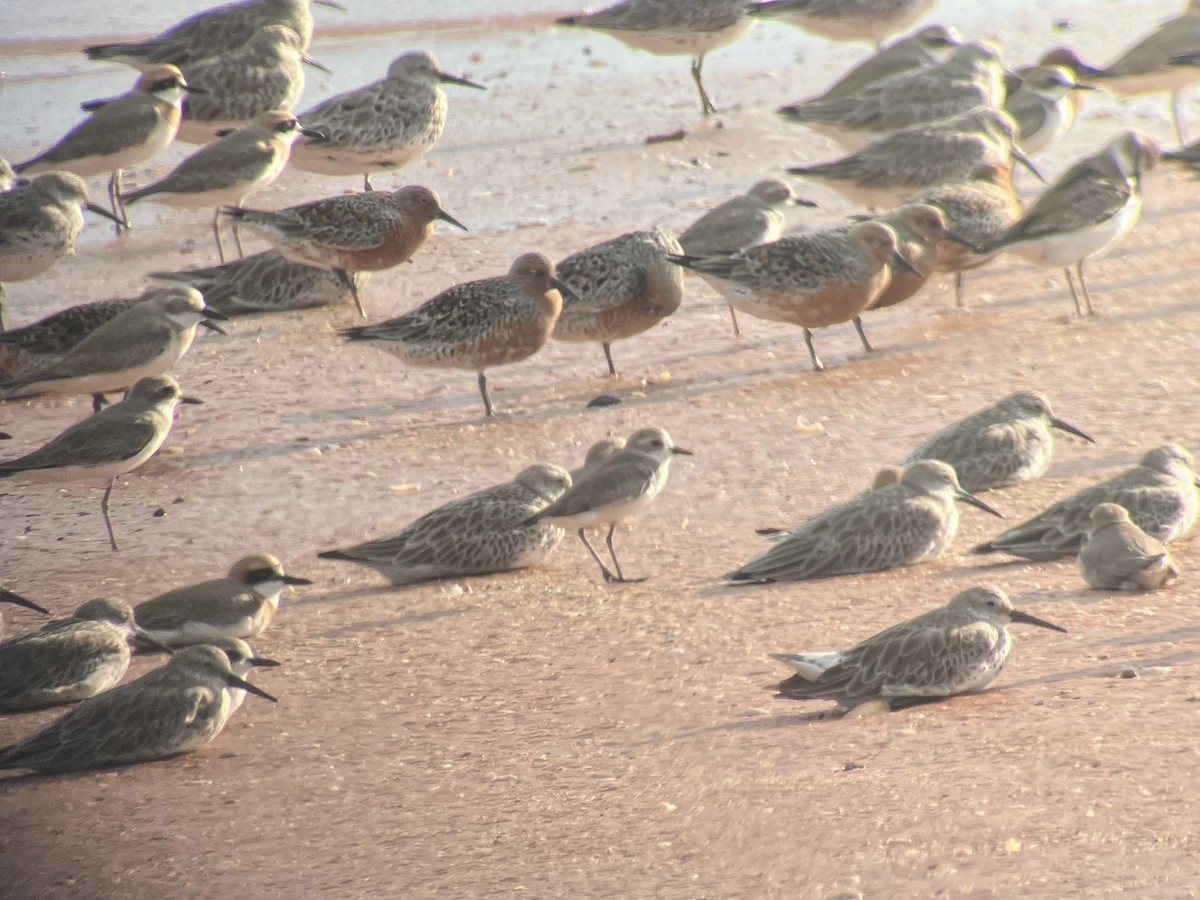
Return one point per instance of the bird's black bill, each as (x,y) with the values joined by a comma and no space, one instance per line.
(152,642)
(264,662)
(447,78)
(1018,616)
(233,681)
(101,211)
(195,90)
(959,239)
(315,63)
(446,217)
(800,201)
(294,579)
(565,289)
(681,452)
(899,262)
(1071,429)
(1028,163)
(193,400)
(966,497)
(18,600)
(312,133)
(329,3)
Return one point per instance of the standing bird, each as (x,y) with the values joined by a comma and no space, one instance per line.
(228,170)
(899,525)
(174,709)
(812,280)
(846,20)
(930,46)
(671,28)
(1006,443)
(477,325)
(68,659)
(616,489)
(265,73)
(7,596)
(755,217)
(213,32)
(39,222)
(1119,556)
(110,443)
(349,233)
(958,648)
(241,605)
(121,133)
(1042,106)
(381,126)
(1159,493)
(1086,213)
(621,287)
(483,533)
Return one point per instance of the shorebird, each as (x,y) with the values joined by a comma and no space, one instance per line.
(812,280)
(242,661)
(1042,106)
(174,709)
(597,453)
(241,605)
(119,134)
(264,282)
(669,28)
(483,533)
(351,232)
(893,168)
(614,490)
(753,218)
(34,348)
(228,170)
(381,126)
(885,477)
(1086,213)
(846,20)
(213,32)
(477,325)
(266,73)
(930,46)
(1159,493)
(1006,443)
(7,596)
(972,77)
(68,659)
(148,338)
(112,442)
(1119,556)
(621,287)
(899,525)
(39,222)
(958,648)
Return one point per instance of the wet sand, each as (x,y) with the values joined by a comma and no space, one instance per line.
(545,734)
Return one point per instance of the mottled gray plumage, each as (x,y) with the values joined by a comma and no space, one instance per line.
(1159,493)
(899,525)
(34,348)
(846,20)
(485,532)
(1119,556)
(1005,443)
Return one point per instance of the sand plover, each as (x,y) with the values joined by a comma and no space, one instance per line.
(846,20)
(668,28)
(381,126)
(174,709)
(1041,106)
(900,525)
(351,233)
(958,648)
(241,605)
(614,490)
(477,325)
(1159,493)
(112,442)
(483,533)
(1119,556)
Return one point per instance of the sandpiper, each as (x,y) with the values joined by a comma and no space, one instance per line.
(176,708)
(264,74)
(39,222)
(893,168)
(146,339)
(112,442)
(811,280)
(958,648)
(228,170)
(1119,556)
(121,133)
(242,661)
(847,20)
(1006,443)
(668,28)
(1159,493)
(353,232)
(7,596)
(1041,106)
(483,533)
(899,525)
(930,46)
(753,218)
(241,605)
(597,453)
(614,490)
(477,325)
(381,126)
(1086,213)
(68,659)
(264,282)
(621,287)
(213,32)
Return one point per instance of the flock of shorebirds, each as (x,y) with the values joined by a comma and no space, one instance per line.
(933,125)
